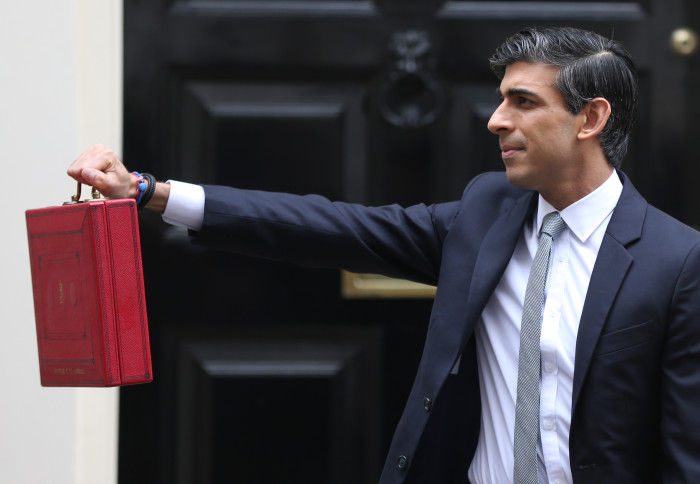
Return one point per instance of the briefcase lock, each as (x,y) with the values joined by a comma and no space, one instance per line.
(96,195)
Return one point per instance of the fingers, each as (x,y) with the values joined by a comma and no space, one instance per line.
(97,158)
(101,168)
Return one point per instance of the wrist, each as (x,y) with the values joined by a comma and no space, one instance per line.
(160,197)
(146,188)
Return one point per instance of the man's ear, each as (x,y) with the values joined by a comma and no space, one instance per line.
(594,116)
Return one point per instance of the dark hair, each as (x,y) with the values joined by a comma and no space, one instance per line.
(590,66)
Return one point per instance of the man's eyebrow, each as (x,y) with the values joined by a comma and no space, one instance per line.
(517,91)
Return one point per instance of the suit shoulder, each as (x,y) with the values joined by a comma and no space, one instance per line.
(662,223)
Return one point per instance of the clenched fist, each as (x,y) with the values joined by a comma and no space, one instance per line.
(100,167)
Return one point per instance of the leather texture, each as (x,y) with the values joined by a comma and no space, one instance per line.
(89,299)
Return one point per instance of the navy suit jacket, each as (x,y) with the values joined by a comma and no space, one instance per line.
(636,389)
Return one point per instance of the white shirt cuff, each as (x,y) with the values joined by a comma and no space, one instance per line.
(185,207)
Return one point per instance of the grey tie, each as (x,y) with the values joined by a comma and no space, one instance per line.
(527,406)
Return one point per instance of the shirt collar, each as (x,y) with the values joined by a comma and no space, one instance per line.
(585,215)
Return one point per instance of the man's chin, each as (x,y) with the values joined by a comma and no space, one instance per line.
(517,178)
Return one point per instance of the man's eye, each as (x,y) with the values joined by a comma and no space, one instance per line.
(524,100)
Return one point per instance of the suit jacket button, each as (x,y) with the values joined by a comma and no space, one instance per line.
(402,462)
(427,404)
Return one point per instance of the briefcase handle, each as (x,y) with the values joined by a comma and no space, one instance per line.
(96,195)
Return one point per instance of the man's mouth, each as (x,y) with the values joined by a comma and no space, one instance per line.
(507,151)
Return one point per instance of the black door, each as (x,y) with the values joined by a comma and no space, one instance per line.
(263,371)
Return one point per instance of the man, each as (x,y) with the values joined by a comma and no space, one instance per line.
(612,335)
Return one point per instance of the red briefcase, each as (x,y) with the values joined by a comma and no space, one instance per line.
(89,300)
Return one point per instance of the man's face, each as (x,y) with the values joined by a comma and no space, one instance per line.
(537,134)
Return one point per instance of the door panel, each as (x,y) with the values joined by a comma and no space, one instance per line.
(263,371)
(227,128)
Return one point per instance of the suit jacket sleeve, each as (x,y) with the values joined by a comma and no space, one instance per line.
(313,231)
(680,418)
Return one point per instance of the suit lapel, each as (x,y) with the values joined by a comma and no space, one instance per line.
(609,272)
(495,253)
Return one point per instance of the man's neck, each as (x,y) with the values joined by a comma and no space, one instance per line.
(578,188)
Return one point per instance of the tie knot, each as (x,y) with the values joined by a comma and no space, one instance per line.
(553,224)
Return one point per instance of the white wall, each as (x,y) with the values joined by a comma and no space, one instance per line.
(60,91)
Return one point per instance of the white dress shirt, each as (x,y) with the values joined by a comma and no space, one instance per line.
(185,207)
(574,254)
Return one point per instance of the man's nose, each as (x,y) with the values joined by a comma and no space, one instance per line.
(499,120)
